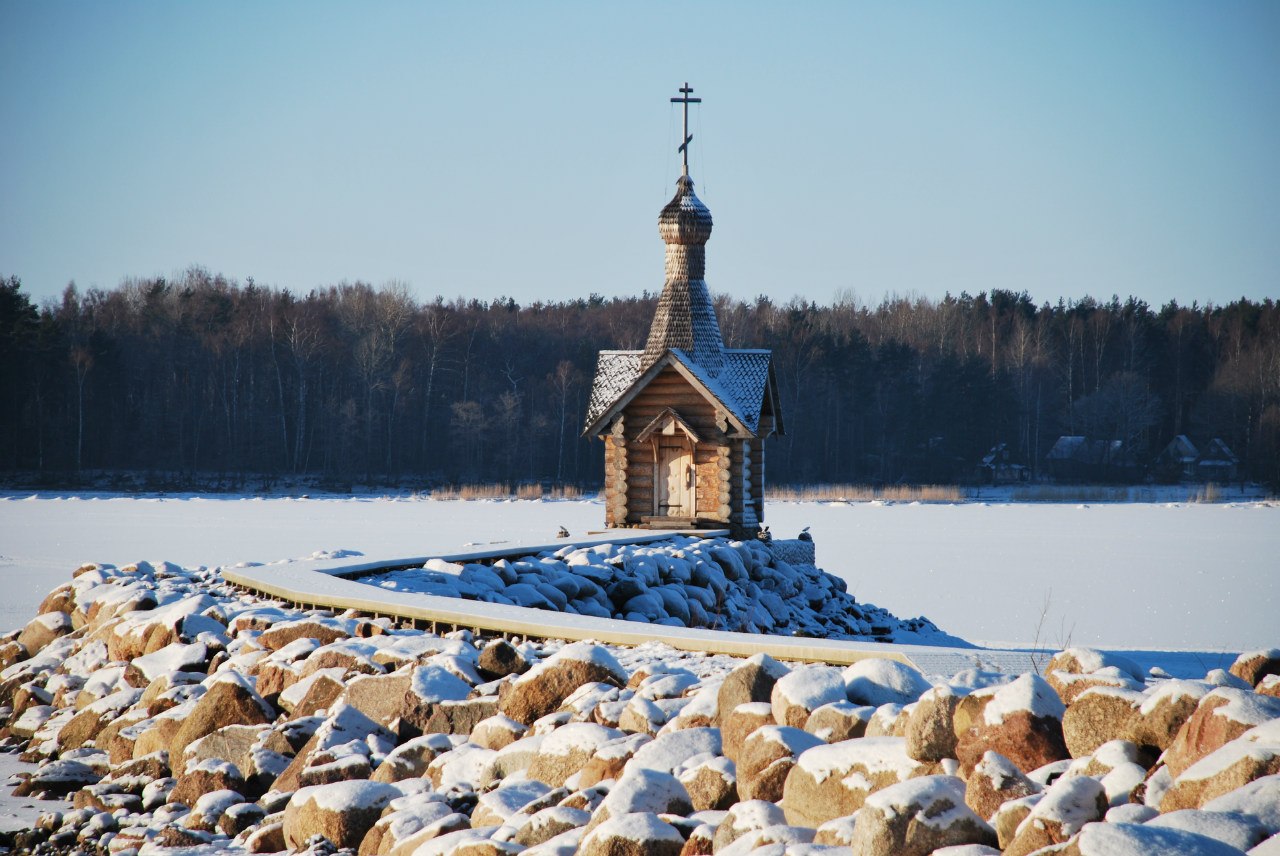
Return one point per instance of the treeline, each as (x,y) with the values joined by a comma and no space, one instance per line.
(353,384)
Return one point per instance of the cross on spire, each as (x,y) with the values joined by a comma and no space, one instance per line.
(688,138)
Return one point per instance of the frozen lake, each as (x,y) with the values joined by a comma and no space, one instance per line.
(1125,576)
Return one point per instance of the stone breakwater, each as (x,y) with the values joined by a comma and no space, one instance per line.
(711,583)
(170,709)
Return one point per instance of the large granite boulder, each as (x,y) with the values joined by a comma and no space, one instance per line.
(917,817)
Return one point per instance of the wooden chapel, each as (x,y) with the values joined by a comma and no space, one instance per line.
(684,421)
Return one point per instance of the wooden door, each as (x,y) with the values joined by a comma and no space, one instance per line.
(674,478)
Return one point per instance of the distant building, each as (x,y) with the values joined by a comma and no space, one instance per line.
(684,421)
(1182,460)
(1074,458)
(998,467)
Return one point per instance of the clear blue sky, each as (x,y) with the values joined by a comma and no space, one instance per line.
(524,149)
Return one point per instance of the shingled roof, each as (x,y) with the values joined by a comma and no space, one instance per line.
(739,389)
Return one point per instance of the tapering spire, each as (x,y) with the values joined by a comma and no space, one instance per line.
(685,317)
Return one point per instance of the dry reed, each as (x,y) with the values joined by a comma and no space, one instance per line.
(501,490)
(864,493)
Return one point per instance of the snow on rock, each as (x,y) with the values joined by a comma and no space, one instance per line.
(686,581)
(495,807)
(803,690)
(1260,799)
(567,750)
(633,834)
(1252,666)
(746,816)
(994,781)
(1238,830)
(1220,717)
(642,791)
(918,816)
(834,780)
(1251,756)
(1131,839)
(1022,720)
(669,751)
(1064,809)
(1090,660)
(1030,694)
(876,681)
(767,757)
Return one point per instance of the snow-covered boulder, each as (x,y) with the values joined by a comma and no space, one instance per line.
(1252,666)
(1253,755)
(610,761)
(878,680)
(1241,831)
(840,720)
(1083,661)
(1132,839)
(202,777)
(1164,710)
(634,834)
(746,817)
(1069,685)
(643,791)
(737,724)
(767,757)
(497,731)
(547,823)
(229,699)
(495,807)
(994,781)
(1022,721)
(543,688)
(409,760)
(671,750)
(343,812)
(1065,808)
(1220,717)
(803,690)
(712,784)
(1098,715)
(777,839)
(917,817)
(931,734)
(429,687)
(500,658)
(833,781)
(752,681)
(42,630)
(568,749)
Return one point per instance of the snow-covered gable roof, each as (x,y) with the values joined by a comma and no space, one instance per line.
(1182,450)
(1218,454)
(616,371)
(1067,448)
(739,389)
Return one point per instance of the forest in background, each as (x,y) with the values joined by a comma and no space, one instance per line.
(182,379)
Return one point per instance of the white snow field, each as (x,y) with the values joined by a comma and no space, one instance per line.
(1199,578)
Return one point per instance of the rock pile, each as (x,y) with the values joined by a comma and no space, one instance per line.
(171,710)
(711,583)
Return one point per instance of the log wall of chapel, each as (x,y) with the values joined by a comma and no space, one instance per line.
(722,464)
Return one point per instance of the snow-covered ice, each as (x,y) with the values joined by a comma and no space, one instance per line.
(1193,578)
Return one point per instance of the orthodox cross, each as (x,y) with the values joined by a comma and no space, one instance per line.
(688,138)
